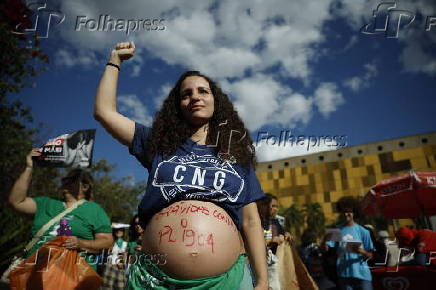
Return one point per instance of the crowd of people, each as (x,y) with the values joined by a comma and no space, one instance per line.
(203,222)
(346,262)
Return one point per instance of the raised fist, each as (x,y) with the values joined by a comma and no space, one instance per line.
(123,51)
(34,153)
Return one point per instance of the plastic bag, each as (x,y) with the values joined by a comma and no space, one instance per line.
(54,267)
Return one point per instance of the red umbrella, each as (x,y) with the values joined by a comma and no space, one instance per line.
(406,196)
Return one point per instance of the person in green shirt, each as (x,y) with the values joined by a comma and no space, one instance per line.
(90,225)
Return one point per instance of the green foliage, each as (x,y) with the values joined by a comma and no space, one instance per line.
(19,62)
(118,197)
(294,219)
(309,216)
(315,218)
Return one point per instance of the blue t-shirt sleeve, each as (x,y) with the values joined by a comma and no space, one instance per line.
(139,144)
(366,240)
(331,244)
(253,190)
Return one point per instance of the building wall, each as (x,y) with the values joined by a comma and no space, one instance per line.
(327,176)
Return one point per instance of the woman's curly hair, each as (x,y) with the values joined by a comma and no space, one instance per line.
(226,130)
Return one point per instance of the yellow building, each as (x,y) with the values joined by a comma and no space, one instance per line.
(327,176)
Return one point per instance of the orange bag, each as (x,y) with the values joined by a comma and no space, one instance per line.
(54,267)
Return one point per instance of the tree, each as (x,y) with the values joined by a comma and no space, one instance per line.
(19,62)
(118,197)
(16,136)
(294,219)
(315,218)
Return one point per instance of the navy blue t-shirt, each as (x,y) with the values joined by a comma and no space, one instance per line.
(193,172)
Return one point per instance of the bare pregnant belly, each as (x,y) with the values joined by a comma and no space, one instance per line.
(198,239)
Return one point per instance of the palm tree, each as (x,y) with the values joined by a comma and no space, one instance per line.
(294,219)
(315,218)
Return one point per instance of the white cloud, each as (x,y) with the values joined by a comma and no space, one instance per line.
(354,83)
(273,102)
(353,40)
(132,106)
(162,94)
(228,41)
(416,56)
(328,98)
(357,83)
(211,40)
(136,63)
(294,109)
(258,94)
(69,59)
(265,152)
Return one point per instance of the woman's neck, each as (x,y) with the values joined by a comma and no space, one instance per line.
(200,134)
(69,200)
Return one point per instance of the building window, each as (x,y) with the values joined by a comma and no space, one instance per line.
(327,196)
(269,166)
(334,207)
(303,160)
(321,158)
(424,140)
(339,154)
(359,151)
(401,144)
(286,164)
(379,148)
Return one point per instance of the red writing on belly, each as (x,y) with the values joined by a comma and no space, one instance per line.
(224,218)
(183,208)
(167,231)
(189,238)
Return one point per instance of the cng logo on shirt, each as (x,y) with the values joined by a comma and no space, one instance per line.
(198,176)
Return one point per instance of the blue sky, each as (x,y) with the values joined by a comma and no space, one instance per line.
(302,66)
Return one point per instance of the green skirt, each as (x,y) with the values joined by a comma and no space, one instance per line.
(146,275)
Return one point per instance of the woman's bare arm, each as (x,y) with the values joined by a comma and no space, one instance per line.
(255,244)
(18,198)
(101,241)
(105,110)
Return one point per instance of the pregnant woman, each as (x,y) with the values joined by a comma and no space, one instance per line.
(199,209)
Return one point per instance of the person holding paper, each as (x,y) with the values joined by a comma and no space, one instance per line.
(90,225)
(353,251)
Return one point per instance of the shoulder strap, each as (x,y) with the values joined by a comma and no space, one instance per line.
(57,218)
